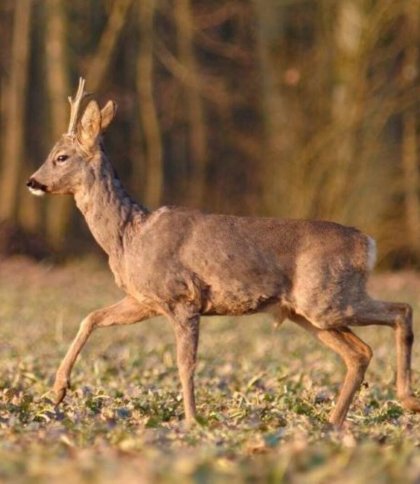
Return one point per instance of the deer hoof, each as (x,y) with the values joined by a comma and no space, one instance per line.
(60,390)
(59,396)
(411,403)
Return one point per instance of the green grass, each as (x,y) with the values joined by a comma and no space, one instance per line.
(263,394)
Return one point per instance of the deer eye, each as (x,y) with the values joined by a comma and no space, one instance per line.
(62,158)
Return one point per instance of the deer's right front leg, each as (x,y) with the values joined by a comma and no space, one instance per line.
(126,311)
(187,333)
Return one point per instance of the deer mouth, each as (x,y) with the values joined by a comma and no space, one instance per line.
(36,188)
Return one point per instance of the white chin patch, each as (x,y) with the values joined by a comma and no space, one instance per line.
(36,191)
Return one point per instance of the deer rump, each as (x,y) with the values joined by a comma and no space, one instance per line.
(222,264)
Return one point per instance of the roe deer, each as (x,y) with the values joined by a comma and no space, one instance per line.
(182,263)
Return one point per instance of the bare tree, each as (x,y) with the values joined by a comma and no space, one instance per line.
(276,113)
(58,88)
(346,104)
(410,153)
(195,111)
(14,132)
(148,113)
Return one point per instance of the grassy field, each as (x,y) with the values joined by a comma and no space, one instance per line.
(263,394)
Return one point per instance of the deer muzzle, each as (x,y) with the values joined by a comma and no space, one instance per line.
(36,188)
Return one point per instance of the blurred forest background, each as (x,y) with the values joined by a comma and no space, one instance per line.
(289,108)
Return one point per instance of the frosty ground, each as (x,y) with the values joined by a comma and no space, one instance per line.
(263,393)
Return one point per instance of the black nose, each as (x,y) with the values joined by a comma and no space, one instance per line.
(32,183)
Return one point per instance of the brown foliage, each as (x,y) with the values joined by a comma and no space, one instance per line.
(290,108)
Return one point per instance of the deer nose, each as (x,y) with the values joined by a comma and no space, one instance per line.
(35,185)
(31,183)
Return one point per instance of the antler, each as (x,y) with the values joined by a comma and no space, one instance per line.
(75,106)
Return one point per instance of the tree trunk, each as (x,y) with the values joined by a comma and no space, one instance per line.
(345,107)
(195,112)
(278,132)
(14,132)
(148,113)
(58,88)
(410,153)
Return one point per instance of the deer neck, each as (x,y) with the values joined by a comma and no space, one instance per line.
(106,206)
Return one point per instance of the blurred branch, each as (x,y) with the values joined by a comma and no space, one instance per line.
(214,94)
(229,51)
(100,62)
(214,18)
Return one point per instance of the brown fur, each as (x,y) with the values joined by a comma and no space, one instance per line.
(183,263)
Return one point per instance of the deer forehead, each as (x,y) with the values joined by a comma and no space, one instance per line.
(66,145)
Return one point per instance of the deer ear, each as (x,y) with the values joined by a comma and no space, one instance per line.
(90,125)
(107,114)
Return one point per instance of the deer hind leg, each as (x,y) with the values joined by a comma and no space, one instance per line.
(356,355)
(398,316)
(126,311)
(187,335)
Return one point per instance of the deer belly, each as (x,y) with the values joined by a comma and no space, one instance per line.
(237,302)
(244,291)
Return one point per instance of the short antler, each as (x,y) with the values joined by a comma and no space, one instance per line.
(75,106)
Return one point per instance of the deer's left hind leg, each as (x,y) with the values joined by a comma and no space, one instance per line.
(187,334)
(398,316)
(356,355)
(126,311)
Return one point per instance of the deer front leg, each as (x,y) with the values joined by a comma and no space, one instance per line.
(187,334)
(126,311)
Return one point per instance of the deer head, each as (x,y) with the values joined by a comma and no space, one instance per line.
(67,166)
